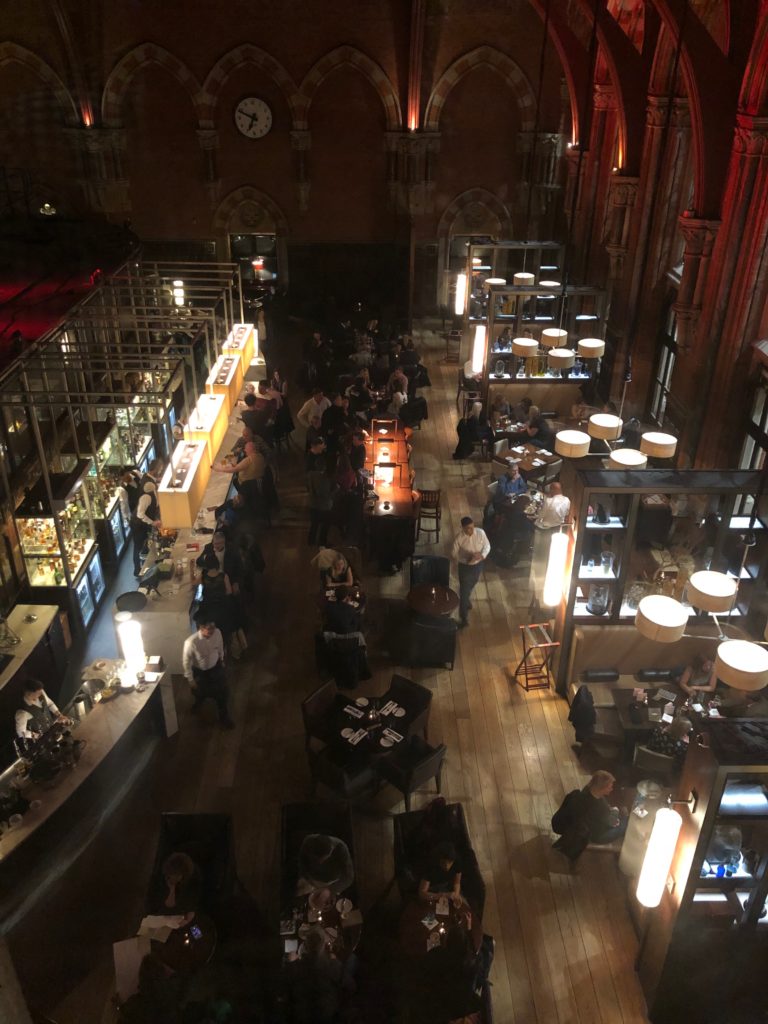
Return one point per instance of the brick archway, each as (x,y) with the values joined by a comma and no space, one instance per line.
(266,215)
(12,53)
(117,84)
(248,54)
(483,56)
(349,56)
(474,197)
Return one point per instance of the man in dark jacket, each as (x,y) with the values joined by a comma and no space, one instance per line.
(585,816)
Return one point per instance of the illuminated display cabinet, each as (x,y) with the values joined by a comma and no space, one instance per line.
(708,939)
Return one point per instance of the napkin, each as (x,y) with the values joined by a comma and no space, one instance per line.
(429,921)
(353,917)
(393,735)
(355,738)
(543,451)
(442,906)
(388,708)
(352,710)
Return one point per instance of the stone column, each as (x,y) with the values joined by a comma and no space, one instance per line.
(622,196)
(699,236)
(208,139)
(301,143)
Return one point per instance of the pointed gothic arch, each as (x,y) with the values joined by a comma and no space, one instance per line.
(117,84)
(475,197)
(482,56)
(241,56)
(349,56)
(12,53)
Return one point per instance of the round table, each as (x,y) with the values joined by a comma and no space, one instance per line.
(432,599)
(188,948)
(460,924)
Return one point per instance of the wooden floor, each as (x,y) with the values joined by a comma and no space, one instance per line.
(564,943)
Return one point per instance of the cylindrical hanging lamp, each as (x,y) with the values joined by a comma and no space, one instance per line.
(524,280)
(573,444)
(561,358)
(550,284)
(742,665)
(591,348)
(627,458)
(661,618)
(711,591)
(658,445)
(491,282)
(554,337)
(605,426)
(526,347)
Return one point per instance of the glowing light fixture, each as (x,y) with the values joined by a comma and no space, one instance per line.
(605,426)
(526,347)
(555,576)
(561,358)
(131,643)
(573,444)
(461,294)
(48,210)
(523,280)
(627,458)
(658,857)
(661,618)
(178,293)
(550,284)
(490,282)
(658,445)
(478,349)
(712,591)
(554,337)
(591,348)
(742,665)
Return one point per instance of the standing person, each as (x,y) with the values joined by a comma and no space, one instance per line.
(203,661)
(322,488)
(585,816)
(314,406)
(250,473)
(146,516)
(37,712)
(554,509)
(470,549)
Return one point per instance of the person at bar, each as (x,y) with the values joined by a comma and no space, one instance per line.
(146,516)
(37,712)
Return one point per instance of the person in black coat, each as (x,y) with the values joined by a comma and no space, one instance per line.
(226,558)
(343,614)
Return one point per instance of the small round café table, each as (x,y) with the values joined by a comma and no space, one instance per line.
(460,924)
(432,599)
(189,948)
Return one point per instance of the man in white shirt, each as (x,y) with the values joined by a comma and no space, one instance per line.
(554,510)
(314,406)
(146,516)
(203,661)
(37,712)
(470,549)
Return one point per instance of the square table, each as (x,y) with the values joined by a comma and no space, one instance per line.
(637,725)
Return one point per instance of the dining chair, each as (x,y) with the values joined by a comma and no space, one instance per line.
(430,512)
(433,642)
(500,446)
(660,766)
(430,569)
(415,698)
(411,765)
(352,781)
(314,712)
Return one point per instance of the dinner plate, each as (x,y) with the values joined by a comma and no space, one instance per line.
(346,733)
(385,741)
(362,702)
(399,712)
(343,905)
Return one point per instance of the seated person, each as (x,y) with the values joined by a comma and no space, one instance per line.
(339,573)
(343,615)
(671,739)
(471,430)
(698,677)
(442,875)
(521,409)
(585,816)
(178,891)
(500,408)
(324,863)
(313,981)
(555,508)
(538,429)
(509,486)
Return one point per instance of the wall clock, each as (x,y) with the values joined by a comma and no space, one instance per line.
(253,117)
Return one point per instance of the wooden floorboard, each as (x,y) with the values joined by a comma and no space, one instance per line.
(564,944)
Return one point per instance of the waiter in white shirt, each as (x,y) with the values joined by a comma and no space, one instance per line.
(37,712)
(203,661)
(146,516)
(470,549)
(554,509)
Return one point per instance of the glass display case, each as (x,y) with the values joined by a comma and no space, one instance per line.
(84,598)
(501,261)
(101,441)
(36,523)
(118,528)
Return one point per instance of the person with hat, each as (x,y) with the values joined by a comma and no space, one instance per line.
(470,549)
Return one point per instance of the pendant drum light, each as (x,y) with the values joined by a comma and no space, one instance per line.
(572,444)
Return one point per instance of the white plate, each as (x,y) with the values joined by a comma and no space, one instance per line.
(346,733)
(399,712)
(385,741)
(362,702)
(343,905)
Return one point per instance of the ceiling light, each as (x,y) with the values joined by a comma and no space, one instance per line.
(661,618)
(573,444)
(627,458)
(742,665)
(658,445)
(711,591)
(591,348)
(605,426)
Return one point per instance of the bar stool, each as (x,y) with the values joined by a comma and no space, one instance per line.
(431,512)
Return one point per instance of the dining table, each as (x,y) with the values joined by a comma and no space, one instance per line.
(440,924)
(188,948)
(531,460)
(432,599)
(336,914)
(361,730)
(640,711)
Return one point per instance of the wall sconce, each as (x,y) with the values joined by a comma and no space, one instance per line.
(478,349)
(461,294)
(658,857)
(178,293)
(553,581)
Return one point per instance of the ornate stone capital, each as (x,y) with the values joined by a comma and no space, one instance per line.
(301,141)
(751,135)
(699,238)
(208,139)
(657,108)
(604,97)
(699,234)
(622,190)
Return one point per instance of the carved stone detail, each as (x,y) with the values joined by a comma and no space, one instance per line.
(699,236)
(658,106)
(622,196)
(604,97)
(751,135)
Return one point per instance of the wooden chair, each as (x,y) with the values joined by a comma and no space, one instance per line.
(430,510)
(501,446)
(659,766)
(411,765)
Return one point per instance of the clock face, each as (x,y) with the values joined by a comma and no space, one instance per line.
(253,117)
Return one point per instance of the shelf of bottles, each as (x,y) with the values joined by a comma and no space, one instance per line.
(40,547)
